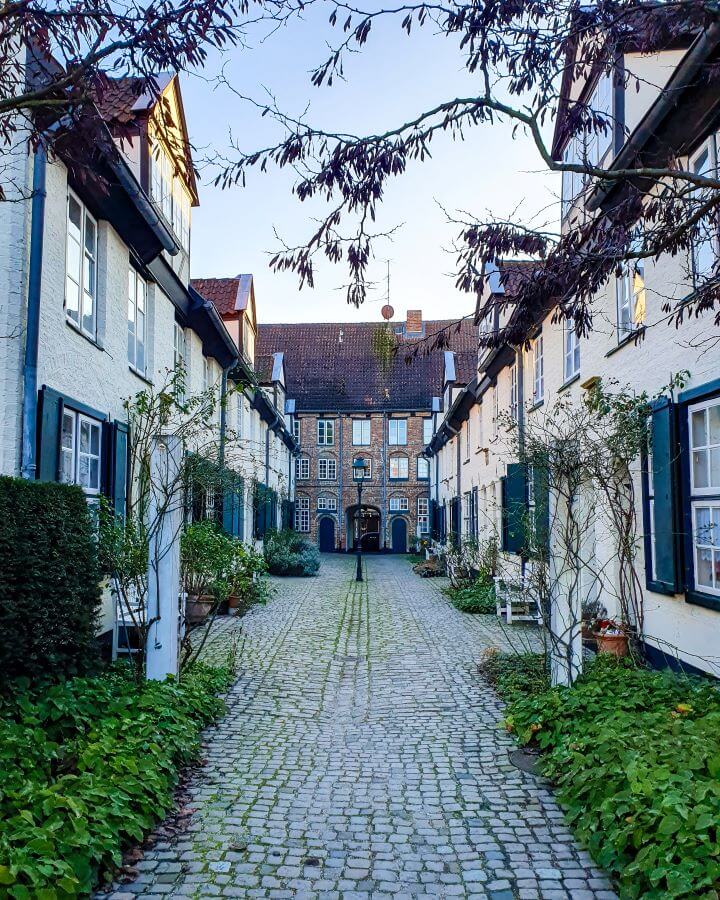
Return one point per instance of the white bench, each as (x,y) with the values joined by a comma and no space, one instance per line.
(515,602)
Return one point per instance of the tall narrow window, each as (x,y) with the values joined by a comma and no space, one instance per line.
(423,515)
(398,467)
(496,410)
(137,328)
(705,245)
(361,432)
(296,429)
(326,432)
(302,514)
(423,468)
(630,288)
(81,267)
(80,451)
(397,432)
(427,430)
(302,468)
(704,429)
(514,404)
(327,469)
(571,365)
(538,370)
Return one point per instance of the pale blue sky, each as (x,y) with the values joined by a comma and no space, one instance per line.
(394,79)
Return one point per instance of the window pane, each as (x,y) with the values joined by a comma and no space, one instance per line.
(140,355)
(700,468)
(90,235)
(714,420)
(698,428)
(74,216)
(704,568)
(72,299)
(715,467)
(84,437)
(703,527)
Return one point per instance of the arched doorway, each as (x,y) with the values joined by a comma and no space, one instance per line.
(366,526)
(326,534)
(399,535)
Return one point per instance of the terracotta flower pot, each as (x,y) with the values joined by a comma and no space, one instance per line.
(197,609)
(613,644)
(237,605)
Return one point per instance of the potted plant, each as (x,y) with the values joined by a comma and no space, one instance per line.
(592,612)
(611,638)
(205,558)
(244,578)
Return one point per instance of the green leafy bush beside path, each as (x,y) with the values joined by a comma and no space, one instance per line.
(87,767)
(636,758)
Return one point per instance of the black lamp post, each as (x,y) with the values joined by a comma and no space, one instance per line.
(359,475)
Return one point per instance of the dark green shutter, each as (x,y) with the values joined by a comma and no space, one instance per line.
(665,483)
(119,470)
(50,426)
(228,511)
(513,508)
(541,491)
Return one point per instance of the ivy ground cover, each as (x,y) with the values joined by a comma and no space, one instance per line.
(87,767)
(636,758)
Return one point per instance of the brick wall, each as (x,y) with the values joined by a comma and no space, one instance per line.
(378,490)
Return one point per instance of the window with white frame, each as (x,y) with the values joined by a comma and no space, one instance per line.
(427,430)
(704,433)
(571,355)
(137,328)
(467,514)
(80,451)
(467,436)
(325,432)
(361,432)
(296,429)
(630,292)
(514,404)
(207,374)
(327,503)
(398,467)
(423,468)
(479,428)
(364,473)
(705,245)
(399,504)
(572,182)
(496,410)
(601,102)
(302,467)
(302,514)
(170,195)
(423,515)
(397,432)
(81,267)
(327,468)
(538,369)
(240,414)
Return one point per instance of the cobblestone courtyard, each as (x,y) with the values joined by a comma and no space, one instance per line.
(361,757)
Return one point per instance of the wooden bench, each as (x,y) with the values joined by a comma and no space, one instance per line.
(515,603)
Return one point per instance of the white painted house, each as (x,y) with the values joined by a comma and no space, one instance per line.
(96,301)
(677,487)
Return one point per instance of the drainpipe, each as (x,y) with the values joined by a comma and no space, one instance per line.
(32,330)
(341,505)
(520,357)
(383,516)
(223,416)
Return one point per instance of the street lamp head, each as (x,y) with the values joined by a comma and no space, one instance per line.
(358,464)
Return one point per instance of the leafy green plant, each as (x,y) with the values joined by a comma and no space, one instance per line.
(289,553)
(49,580)
(477,597)
(515,675)
(89,766)
(636,757)
(245,577)
(206,558)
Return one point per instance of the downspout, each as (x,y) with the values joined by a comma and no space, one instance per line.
(520,356)
(32,330)
(223,416)
(341,505)
(383,459)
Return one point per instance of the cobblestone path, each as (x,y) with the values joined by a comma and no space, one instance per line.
(361,757)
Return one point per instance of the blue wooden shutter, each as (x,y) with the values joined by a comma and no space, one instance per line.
(50,426)
(513,508)
(666,491)
(119,467)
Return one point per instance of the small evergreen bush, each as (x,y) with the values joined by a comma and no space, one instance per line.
(49,580)
(89,767)
(289,553)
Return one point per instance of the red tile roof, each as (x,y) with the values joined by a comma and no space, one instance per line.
(116,101)
(334,366)
(230,295)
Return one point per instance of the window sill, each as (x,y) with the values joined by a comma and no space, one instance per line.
(708,601)
(398,479)
(536,405)
(86,337)
(138,374)
(631,338)
(566,384)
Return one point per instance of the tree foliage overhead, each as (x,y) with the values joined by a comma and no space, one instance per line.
(522,56)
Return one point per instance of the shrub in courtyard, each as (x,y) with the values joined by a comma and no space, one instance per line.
(289,553)
(515,675)
(49,580)
(636,757)
(246,577)
(89,766)
(477,597)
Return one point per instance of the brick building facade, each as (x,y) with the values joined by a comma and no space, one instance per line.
(354,401)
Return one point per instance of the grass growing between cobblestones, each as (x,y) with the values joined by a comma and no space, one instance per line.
(636,758)
(88,767)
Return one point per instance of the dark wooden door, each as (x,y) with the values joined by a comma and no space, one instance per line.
(399,535)
(327,535)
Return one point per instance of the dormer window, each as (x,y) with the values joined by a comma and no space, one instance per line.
(169,194)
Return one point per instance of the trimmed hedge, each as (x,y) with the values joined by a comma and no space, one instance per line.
(49,580)
(89,767)
(477,598)
(636,758)
(289,553)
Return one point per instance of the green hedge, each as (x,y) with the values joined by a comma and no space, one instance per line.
(49,579)
(288,553)
(636,757)
(478,597)
(88,767)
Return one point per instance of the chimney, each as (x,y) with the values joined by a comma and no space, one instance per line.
(414,322)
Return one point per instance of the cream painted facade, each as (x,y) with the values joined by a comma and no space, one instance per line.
(472,447)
